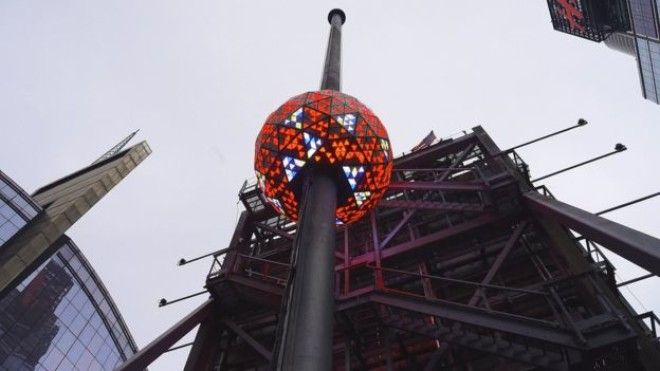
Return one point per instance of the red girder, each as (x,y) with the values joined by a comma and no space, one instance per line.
(440,186)
(433,205)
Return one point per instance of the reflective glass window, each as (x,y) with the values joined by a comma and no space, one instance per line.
(51,321)
(649,64)
(15,209)
(644,21)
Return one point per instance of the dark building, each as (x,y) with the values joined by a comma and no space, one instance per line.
(628,26)
(55,313)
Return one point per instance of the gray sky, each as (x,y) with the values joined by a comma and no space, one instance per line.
(199,77)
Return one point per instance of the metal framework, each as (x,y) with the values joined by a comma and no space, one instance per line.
(505,286)
(463,265)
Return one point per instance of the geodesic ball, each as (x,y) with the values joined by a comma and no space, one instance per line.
(330,130)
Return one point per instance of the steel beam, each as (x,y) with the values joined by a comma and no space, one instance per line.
(437,237)
(457,161)
(542,331)
(439,186)
(433,152)
(479,292)
(140,360)
(504,253)
(635,246)
(248,339)
(276,231)
(429,239)
(445,206)
(521,352)
(407,215)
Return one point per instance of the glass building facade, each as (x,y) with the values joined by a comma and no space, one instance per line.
(645,32)
(639,36)
(16,208)
(60,317)
(644,17)
(648,57)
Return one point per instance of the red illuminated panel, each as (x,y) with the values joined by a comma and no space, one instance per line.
(570,11)
(330,129)
(581,18)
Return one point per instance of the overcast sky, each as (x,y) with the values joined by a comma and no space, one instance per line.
(199,77)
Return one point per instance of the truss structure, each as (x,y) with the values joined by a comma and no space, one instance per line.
(463,265)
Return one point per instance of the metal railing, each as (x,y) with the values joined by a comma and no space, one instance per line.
(653,321)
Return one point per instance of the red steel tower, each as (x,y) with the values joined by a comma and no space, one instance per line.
(460,262)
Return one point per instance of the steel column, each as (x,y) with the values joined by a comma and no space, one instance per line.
(307,338)
(332,67)
(307,331)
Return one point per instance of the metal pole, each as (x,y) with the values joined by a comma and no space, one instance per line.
(617,207)
(308,324)
(618,148)
(624,283)
(332,67)
(307,343)
(184,261)
(580,123)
